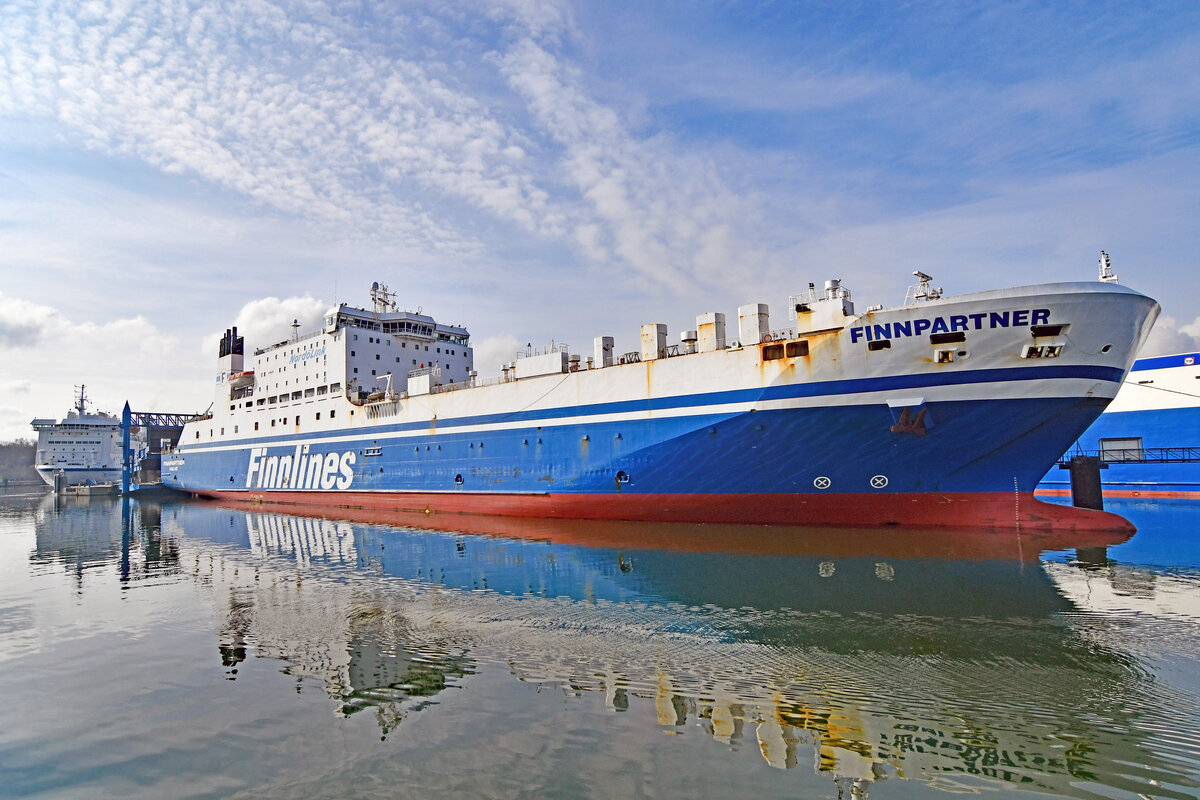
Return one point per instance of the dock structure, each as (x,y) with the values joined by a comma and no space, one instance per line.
(1085,467)
(161,427)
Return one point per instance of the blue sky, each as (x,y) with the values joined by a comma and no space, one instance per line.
(556,170)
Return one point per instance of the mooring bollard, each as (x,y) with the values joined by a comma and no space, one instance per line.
(1085,482)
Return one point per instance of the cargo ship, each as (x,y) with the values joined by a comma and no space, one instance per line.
(1148,439)
(942,411)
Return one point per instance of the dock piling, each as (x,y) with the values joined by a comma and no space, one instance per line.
(1085,482)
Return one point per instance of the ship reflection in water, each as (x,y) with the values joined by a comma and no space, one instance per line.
(863,658)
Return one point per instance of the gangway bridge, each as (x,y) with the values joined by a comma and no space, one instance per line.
(1136,455)
(160,427)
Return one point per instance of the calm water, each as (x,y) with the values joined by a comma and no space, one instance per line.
(155,650)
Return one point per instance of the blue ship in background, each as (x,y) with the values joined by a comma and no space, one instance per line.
(1148,439)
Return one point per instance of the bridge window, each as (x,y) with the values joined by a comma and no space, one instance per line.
(1121,449)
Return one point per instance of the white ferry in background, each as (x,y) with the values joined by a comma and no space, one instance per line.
(1149,437)
(944,411)
(85,446)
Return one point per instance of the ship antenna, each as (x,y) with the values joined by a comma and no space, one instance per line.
(1106,273)
(295,330)
(923,290)
(82,401)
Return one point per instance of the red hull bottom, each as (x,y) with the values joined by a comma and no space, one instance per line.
(996,510)
(1153,494)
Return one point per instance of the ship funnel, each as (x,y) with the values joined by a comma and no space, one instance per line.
(711,330)
(602,351)
(753,322)
(654,341)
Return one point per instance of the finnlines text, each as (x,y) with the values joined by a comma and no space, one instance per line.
(299,470)
(957,322)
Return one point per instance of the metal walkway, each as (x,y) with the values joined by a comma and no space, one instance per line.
(1138,455)
(155,419)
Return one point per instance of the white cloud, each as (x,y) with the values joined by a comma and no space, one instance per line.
(326,126)
(24,324)
(117,359)
(492,351)
(644,203)
(1168,337)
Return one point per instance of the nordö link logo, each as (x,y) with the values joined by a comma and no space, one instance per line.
(299,470)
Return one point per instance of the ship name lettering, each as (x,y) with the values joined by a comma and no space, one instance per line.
(299,469)
(307,354)
(900,329)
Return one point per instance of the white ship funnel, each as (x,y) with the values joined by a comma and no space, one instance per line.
(654,341)
(754,322)
(603,351)
(711,328)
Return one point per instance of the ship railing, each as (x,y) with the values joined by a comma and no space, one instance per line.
(529,351)
(300,338)
(1138,455)
(467,384)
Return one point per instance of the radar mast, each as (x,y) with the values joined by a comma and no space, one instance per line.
(382,299)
